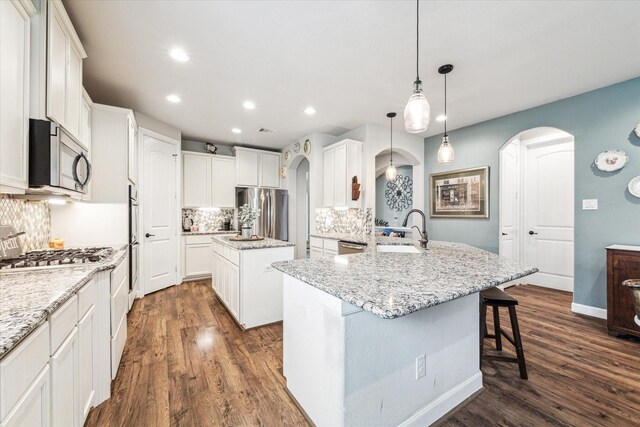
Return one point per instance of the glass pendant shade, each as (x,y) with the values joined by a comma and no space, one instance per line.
(417,112)
(391,173)
(445,152)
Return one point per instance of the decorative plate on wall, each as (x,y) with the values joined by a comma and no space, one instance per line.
(287,155)
(634,186)
(638,129)
(307,147)
(296,147)
(611,160)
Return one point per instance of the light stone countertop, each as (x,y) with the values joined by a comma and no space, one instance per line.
(267,243)
(391,285)
(29,296)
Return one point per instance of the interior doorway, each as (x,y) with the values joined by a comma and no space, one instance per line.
(537,204)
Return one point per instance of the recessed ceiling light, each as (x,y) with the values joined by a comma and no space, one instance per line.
(310,111)
(173,98)
(441,118)
(179,55)
(248,105)
(236,130)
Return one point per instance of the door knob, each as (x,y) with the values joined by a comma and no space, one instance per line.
(149,235)
(531,232)
(504,234)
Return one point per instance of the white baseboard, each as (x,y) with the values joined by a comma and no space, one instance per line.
(438,408)
(587,310)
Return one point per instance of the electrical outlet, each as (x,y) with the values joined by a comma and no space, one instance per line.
(589,204)
(421,366)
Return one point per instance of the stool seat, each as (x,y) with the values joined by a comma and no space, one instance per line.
(495,296)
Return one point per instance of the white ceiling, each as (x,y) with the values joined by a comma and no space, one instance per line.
(352,60)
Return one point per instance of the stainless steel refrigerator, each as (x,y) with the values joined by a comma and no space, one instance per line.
(274,210)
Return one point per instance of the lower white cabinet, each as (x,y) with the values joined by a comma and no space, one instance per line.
(86,357)
(64,382)
(119,306)
(321,247)
(33,408)
(196,256)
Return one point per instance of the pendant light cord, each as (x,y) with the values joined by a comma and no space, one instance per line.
(391,140)
(417,39)
(445,105)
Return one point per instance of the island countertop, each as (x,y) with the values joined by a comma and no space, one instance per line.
(266,243)
(28,296)
(391,285)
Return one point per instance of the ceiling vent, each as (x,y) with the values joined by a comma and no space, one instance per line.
(266,130)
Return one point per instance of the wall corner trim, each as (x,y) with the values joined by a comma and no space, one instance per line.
(587,310)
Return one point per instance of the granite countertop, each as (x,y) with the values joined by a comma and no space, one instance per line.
(257,244)
(29,296)
(195,233)
(365,239)
(391,285)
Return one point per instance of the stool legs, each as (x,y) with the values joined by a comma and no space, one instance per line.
(518,342)
(496,328)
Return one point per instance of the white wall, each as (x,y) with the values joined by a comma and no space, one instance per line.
(147,122)
(90,224)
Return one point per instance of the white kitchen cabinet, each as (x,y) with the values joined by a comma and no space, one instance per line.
(257,168)
(321,247)
(208,181)
(33,408)
(196,262)
(132,150)
(85,134)
(14,87)
(86,389)
(233,286)
(342,162)
(64,382)
(196,180)
(64,58)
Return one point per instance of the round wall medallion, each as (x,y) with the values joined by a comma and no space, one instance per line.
(634,186)
(296,147)
(611,160)
(287,155)
(638,130)
(307,147)
(399,193)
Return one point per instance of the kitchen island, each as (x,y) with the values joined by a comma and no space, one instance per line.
(387,338)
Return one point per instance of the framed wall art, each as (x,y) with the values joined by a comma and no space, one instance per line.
(461,193)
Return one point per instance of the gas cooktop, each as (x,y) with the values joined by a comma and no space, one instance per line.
(57,257)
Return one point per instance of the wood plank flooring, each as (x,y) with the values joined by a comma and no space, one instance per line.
(186,363)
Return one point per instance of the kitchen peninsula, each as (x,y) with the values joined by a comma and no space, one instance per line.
(387,338)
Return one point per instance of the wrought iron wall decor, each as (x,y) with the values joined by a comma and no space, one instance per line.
(399,193)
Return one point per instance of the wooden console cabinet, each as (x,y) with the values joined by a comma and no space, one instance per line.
(623,262)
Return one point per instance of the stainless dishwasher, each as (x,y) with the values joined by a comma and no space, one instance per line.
(345,248)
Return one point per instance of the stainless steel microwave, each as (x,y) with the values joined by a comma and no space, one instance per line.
(56,159)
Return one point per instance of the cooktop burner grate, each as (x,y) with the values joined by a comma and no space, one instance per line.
(57,257)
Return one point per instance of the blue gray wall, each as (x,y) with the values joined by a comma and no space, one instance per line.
(599,120)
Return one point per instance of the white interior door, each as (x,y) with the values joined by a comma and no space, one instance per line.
(159,214)
(509,201)
(548,213)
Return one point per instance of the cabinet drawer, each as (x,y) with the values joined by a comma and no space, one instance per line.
(21,367)
(117,345)
(118,275)
(316,242)
(331,245)
(62,322)
(197,239)
(86,298)
(119,305)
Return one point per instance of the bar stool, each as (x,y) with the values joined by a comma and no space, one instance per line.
(496,298)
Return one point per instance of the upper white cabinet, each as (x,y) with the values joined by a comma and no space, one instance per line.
(85,133)
(132,150)
(208,181)
(342,161)
(14,101)
(257,168)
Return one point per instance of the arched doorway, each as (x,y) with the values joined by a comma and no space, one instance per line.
(537,204)
(299,205)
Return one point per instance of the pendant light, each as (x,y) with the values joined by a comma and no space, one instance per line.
(391,172)
(416,113)
(445,152)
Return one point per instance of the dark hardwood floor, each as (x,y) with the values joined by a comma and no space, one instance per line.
(186,363)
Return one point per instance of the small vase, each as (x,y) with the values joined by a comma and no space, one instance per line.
(246,232)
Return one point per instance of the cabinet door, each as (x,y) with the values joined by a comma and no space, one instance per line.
(340,177)
(14,82)
(270,170)
(196,181)
(223,183)
(329,167)
(33,408)
(197,260)
(64,382)
(234,291)
(86,333)
(73,92)
(58,44)
(315,252)
(85,138)
(214,270)
(246,168)
(132,151)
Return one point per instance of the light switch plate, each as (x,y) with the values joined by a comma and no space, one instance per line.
(589,204)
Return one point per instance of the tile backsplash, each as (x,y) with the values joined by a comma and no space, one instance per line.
(209,219)
(355,221)
(31,217)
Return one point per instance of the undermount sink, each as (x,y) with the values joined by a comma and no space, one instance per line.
(408,249)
